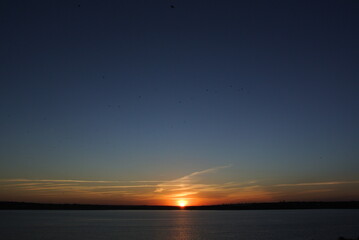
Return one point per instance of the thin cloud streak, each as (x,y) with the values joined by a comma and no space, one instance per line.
(185,182)
(316,183)
(76,181)
(192,187)
(189,176)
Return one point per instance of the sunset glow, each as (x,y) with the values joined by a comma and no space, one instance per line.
(182,203)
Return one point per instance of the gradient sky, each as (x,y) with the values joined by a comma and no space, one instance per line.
(138,102)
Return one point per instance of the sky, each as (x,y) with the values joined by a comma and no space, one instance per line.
(154,102)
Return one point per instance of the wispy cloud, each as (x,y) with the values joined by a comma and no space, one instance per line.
(191,186)
(70,186)
(195,187)
(75,181)
(198,187)
(316,191)
(189,177)
(316,183)
(186,182)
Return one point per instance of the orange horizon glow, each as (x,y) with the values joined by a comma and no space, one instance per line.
(182,203)
(189,190)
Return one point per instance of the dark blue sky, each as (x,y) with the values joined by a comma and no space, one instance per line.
(129,90)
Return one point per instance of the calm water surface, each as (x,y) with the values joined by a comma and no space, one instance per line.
(179,225)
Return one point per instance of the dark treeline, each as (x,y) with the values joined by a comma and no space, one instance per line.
(54,206)
(281,205)
(240,206)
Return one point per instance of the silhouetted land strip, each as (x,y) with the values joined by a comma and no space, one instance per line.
(241,206)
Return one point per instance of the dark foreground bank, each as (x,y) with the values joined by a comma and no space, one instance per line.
(241,206)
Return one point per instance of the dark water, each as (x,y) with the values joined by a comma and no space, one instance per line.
(175,225)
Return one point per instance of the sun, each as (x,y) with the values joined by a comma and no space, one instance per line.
(182,203)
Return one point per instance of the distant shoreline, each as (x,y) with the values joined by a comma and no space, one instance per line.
(241,206)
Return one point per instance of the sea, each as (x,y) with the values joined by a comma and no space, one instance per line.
(179,224)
